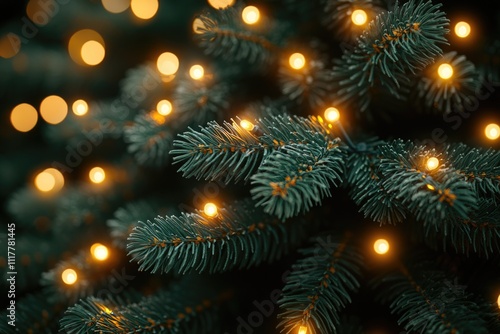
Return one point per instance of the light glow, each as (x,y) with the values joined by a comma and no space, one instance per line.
(302,330)
(332,114)
(250,15)
(167,63)
(196,72)
(445,71)
(69,276)
(93,52)
(297,61)
(432,163)
(359,17)
(80,107)
(23,117)
(116,6)
(210,209)
(381,246)
(53,109)
(144,9)
(492,131)
(217,4)
(247,125)
(462,29)
(164,107)
(99,252)
(97,175)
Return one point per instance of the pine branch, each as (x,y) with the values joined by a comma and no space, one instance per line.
(238,237)
(453,94)
(229,152)
(319,286)
(181,308)
(296,177)
(395,43)
(222,33)
(149,139)
(479,166)
(426,301)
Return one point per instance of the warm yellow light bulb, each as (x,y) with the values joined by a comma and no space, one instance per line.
(302,330)
(164,107)
(220,3)
(492,131)
(432,163)
(359,17)
(431,187)
(23,117)
(462,29)
(198,26)
(53,109)
(92,53)
(297,61)
(144,9)
(247,125)
(80,107)
(210,209)
(45,181)
(445,71)
(332,114)
(381,246)
(167,63)
(250,14)
(97,175)
(196,72)
(498,301)
(116,6)
(99,251)
(69,276)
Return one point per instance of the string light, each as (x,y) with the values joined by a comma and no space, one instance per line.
(167,63)
(53,109)
(69,276)
(217,4)
(210,209)
(99,252)
(431,187)
(76,47)
(359,17)
(45,181)
(445,71)
(23,117)
(37,11)
(492,131)
(9,45)
(302,330)
(332,114)
(196,72)
(198,26)
(92,52)
(80,107)
(297,61)
(498,301)
(116,6)
(164,107)
(462,29)
(432,163)
(144,9)
(247,125)
(97,175)
(381,246)
(250,14)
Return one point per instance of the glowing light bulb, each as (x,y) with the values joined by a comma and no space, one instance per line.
(198,26)
(196,72)
(210,209)
(250,14)
(99,251)
(116,6)
(498,301)
(297,61)
(167,63)
(220,3)
(92,53)
(462,29)
(144,9)
(69,276)
(432,163)
(332,114)
(302,330)
(492,131)
(359,17)
(247,125)
(97,175)
(23,117)
(445,71)
(53,109)
(164,107)
(45,181)
(80,107)
(381,246)
(431,187)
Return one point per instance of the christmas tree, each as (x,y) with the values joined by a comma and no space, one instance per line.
(279,166)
